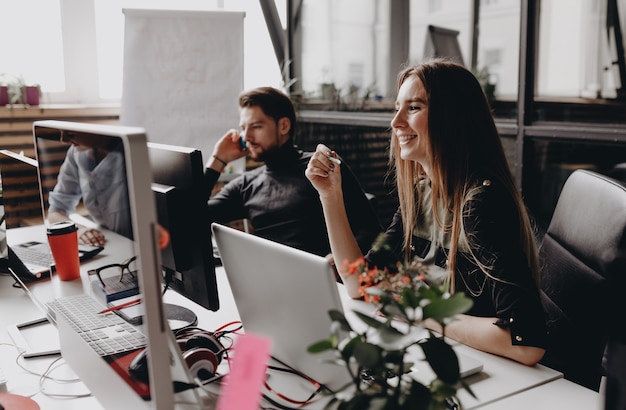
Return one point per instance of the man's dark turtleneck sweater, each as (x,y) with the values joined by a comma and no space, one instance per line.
(282,205)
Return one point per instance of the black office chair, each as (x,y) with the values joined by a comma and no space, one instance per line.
(583,267)
(615,387)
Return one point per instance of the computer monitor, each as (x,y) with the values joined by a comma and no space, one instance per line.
(188,265)
(134,177)
(443,42)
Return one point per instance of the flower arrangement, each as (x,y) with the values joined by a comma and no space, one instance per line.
(377,358)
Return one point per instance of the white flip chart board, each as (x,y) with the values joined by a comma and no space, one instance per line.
(183,73)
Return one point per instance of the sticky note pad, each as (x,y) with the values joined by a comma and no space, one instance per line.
(242,389)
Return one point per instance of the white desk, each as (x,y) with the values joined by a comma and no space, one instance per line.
(117,249)
(499,378)
(501,381)
(558,394)
(17,307)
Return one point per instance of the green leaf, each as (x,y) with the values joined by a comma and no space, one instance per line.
(374,291)
(368,355)
(431,293)
(384,296)
(410,298)
(393,310)
(393,356)
(467,388)
(447,308)
(370,321)
(337,316)
(392,339)
(442,359)
(358,402)
(418,398)
(348,350)
(321,346)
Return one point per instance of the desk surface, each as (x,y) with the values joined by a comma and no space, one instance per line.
(558,394)
(501,381)
(18,308)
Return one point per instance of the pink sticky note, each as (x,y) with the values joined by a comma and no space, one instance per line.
(242,387)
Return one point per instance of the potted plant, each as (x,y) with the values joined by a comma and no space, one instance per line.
(18,92)
(377,358)
(4,95)
(32,94)
(4,89)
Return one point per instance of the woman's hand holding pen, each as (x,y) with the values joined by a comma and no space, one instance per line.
(324,173)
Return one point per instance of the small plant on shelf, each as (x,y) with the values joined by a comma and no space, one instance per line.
(18,92)
(377,358)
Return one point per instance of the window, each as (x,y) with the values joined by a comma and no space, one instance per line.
(339,36)
(34,58)
(344,47)
(578,62)
(80,61)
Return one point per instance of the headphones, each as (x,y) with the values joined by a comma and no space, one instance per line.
(202,351)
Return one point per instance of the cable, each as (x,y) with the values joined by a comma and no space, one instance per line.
(45,376)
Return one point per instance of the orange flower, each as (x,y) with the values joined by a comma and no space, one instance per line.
(407,276)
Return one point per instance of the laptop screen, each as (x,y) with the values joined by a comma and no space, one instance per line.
(20,189)
(285,294)
(20,203)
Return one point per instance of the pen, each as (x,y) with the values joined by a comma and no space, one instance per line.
(333,159)
(122,306)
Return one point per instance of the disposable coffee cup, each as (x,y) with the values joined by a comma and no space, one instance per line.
(63,240)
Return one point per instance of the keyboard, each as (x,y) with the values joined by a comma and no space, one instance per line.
(37,257)
(107,334)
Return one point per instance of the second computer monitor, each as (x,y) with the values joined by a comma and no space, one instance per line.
(178,175)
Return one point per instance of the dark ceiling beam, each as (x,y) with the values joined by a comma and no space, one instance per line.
(275,29)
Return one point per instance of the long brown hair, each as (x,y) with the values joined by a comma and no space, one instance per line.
(463,141)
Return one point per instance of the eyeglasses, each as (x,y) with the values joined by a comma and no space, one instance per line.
(113,274)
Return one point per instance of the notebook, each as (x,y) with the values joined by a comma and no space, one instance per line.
(284,294)
(30,260)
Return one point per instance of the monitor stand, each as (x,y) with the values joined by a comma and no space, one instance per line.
(179,317)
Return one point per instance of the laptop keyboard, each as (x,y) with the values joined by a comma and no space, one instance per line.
(35,257)
(107,334)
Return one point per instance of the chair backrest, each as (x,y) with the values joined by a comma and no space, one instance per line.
(583,264)
(615,387)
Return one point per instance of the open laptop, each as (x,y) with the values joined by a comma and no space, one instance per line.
(30,260)
(284,294)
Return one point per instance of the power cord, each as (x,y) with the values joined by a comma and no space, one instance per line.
(46,376)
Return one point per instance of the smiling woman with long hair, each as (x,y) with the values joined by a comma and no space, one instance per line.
(460,212)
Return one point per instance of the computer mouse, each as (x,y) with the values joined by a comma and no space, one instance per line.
(138,367)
